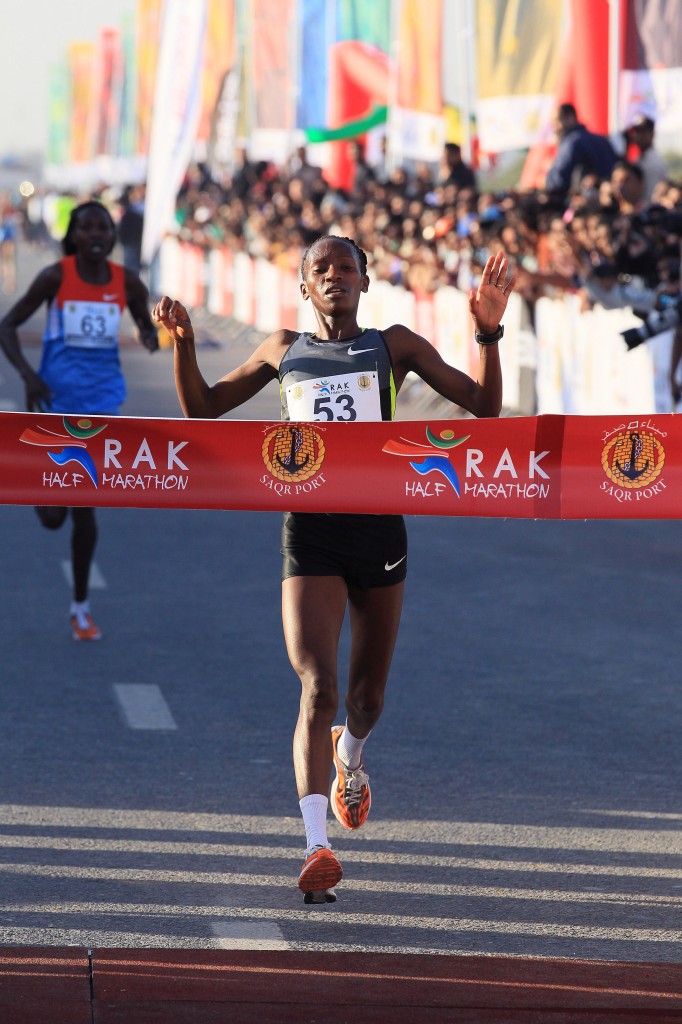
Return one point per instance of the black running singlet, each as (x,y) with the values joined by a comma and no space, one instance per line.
(337,380)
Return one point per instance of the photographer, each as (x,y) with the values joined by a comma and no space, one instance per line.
(661,308)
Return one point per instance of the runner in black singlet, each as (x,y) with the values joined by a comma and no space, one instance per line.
(331,562)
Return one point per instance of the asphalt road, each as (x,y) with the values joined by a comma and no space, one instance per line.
(526,772)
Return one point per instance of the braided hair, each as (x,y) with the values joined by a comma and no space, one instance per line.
(360,253)
(68,244)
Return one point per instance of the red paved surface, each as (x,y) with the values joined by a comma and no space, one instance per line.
(123,986)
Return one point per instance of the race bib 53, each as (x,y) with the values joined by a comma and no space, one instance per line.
(354,396)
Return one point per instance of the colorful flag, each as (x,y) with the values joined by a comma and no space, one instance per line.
(109,77)
(126,136)
(416,126)
(316,36)
(518,51)
(272,66)
(651,78)
(82,73)
(219,58)
(59,110)
(419,56)
(148,35)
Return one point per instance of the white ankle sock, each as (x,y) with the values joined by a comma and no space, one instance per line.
(314,811)
(80,609)
(349,748)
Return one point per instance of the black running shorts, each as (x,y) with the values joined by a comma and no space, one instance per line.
(365,550)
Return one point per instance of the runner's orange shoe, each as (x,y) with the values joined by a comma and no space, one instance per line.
(350,795)
(320,873)
(85,630)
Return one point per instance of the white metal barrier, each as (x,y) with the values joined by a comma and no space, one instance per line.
(581,363)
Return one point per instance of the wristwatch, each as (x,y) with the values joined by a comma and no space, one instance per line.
(490,339)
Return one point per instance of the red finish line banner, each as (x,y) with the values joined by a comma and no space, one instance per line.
(541,467)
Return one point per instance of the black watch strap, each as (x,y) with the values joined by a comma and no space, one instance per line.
(490,339)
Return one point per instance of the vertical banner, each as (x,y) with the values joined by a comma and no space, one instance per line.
(459,76)
(651,78)
(82,71)
(177,107)
(223,131)
(417,125)
(59,111)
(518,53)
(109,77)
(148,34)
(219,59)
(313,69)
(273,81)
(126,135)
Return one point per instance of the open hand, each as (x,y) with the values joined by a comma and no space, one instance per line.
(173,316)
(488,302)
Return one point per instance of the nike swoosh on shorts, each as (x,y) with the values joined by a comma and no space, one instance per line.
(108,298)
(357,351)
(388,567)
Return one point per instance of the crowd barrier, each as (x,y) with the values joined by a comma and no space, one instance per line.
(539,467)
(579,362)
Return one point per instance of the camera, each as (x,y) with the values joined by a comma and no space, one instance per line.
(659,320)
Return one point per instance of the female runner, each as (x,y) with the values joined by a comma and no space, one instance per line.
(80,369)
(333,561)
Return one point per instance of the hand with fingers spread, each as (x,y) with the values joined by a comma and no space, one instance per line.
(488,302)
(173,316)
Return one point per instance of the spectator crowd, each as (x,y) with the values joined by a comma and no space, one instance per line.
(608,230)
(607,227)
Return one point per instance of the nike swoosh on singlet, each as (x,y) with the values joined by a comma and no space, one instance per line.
(108,298)
(357,351)
(388,567)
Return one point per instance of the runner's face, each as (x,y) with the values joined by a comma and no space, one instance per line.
(333,279)
(92,234)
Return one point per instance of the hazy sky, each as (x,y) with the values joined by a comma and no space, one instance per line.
(35,35)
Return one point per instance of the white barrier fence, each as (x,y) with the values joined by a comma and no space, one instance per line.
(579,359)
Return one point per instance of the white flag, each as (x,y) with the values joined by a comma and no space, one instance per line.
(177,107)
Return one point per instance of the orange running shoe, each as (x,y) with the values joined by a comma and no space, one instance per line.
(350,795)
(320,873)
(85,630)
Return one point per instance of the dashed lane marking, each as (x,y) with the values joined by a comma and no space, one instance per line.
(143,706)
(97,581)
(237,934)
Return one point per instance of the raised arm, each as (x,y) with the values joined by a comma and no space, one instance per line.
(487,303)
(198,399)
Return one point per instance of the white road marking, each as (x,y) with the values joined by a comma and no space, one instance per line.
(236,934)
(97,581)
(143,706)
